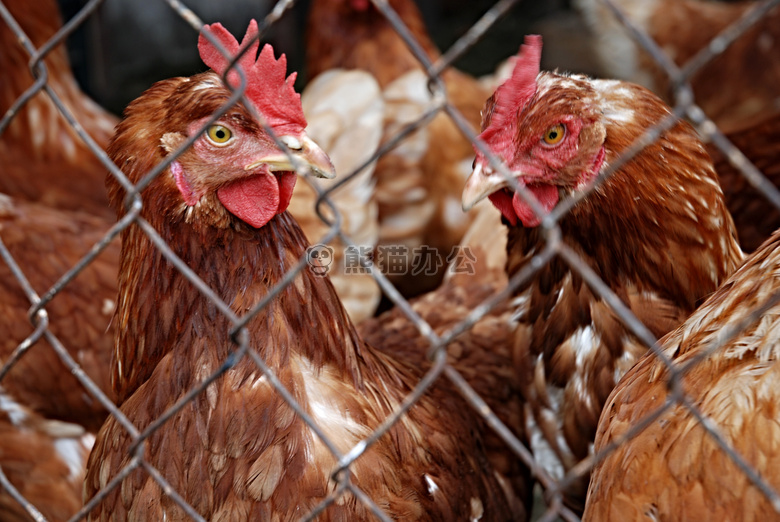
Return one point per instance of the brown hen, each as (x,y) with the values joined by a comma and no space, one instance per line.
(734,88)
(238,451)
(483,353)
(46,243)
(43,159)
(754,215)
(344,111)
(674,469)
(656,232)
(43,459)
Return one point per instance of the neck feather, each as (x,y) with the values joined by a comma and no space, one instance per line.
(161,312)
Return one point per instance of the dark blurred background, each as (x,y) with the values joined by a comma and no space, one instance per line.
(130,44)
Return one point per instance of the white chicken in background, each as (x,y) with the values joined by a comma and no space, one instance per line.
(393,206)
(417,180)
(345,113)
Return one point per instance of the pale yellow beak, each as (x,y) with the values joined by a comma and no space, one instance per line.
(303,149)
(481,183)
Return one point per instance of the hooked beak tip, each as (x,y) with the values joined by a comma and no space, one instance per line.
(477,188)
(316,159)
(306,154)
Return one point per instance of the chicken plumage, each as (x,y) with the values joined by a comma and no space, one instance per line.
(43,158)
(352,34)
(238,451)
(656,232)
(483,353)
(727,353)
(43,459)
(46,243)
(736,87)
(57,212)
(418,182)
(754,215)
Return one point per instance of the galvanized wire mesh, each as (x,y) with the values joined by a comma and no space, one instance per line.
(685,107)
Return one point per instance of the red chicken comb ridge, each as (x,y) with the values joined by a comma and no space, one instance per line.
(272,94)
(515,93)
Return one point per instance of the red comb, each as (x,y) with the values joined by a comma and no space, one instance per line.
(514,94)
(270,92)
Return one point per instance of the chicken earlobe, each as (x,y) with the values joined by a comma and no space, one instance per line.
(191,198)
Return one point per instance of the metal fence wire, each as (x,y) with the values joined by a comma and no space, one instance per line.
(685,107)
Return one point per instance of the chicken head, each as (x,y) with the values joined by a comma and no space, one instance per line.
(548,133)
(234,167)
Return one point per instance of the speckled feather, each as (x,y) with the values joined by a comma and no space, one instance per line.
(482,354)
(674,469)
(44,460)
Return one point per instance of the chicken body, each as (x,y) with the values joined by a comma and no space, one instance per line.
(345,112)
(656,232)
(43,459)
(46,243)
(734,88)
(483,353)
(754,215)
(674,469)
(53,209)
(238,451)
(43,158)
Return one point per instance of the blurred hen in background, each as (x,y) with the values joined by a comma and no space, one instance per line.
(739,89)
(345,111)
(418,183)
(733,89)
(53,208)
(43,159)
(755,216)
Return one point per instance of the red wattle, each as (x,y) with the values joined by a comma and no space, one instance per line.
(360,5)
(286,185)
(547,195)
(502,200)
(257,199)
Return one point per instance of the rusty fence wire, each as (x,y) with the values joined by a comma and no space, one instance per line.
(684,107)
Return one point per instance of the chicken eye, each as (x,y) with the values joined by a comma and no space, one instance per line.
(219,134)
(554,134)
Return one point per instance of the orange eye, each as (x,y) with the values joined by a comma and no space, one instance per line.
(219,135)
(554,134)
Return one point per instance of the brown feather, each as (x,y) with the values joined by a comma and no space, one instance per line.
(674,468)
(755,217)
(43,158)
(46,243)
(43,459)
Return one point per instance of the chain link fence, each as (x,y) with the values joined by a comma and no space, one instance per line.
(684,107)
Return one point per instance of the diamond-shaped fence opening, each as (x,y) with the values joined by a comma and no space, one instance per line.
(46,269)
